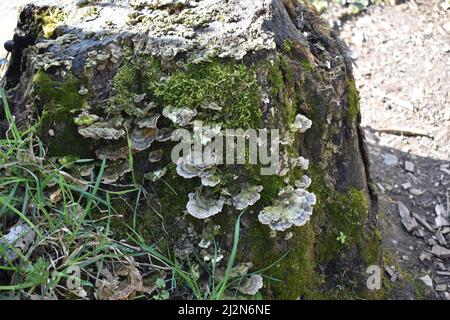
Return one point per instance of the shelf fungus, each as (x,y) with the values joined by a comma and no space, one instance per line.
(113,153)
(300,162)
(292,207)
(202,206)
(191,166)
(115,171)
(164,134)
(247,197)
(304,182)
(250,285)
(301,124)
(180,116)
(155,156)
(210,179)
(101,130)
(148,122)
(142,139)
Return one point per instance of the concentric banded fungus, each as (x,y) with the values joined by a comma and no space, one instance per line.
(202,207)
(300,162)
(20,236)
(210,179)
(304,182)
(115,171)
(293,207)
(142,139)
(251,285)
(301,124)
(112,152)
(164,134)
(138,98)
(155,175)
(180,116)
(148,122)
(191,166)
(247,197)
(101,130)
(155,156)
(86,170)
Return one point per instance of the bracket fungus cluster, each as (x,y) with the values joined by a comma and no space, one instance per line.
(115,87)
(251,285)
(201,206)
(292,208)
(247,197)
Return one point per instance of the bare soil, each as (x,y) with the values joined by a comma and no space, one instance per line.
(402,71)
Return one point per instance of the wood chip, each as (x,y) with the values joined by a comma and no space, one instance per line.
(425,256)
(409,166)
(440,252)
(408,221)
(444,273)
(441,239)
(424,222)
(441,287)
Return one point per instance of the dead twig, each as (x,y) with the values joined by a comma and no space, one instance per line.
(405,132)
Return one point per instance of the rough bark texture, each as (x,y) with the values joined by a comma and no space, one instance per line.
(275,59)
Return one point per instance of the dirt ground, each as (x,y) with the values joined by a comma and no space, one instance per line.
(402,71)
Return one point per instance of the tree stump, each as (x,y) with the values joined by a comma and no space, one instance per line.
(111,79)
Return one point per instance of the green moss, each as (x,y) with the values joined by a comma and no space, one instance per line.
(315,243)
(371,251)
(229,84)
(64,94)
(344,212)
(287,45)
(137,75)
(58,101)
(233,86)
(352,100)
(84,120)
(296,272)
